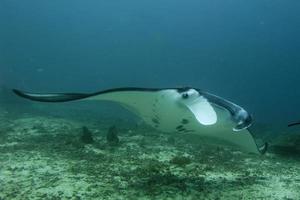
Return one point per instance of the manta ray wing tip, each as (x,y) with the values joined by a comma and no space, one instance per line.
(263,149)
(19,93)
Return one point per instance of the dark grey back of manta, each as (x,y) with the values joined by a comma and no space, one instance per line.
(183,110)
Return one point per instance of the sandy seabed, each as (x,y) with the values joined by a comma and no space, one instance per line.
(44,158)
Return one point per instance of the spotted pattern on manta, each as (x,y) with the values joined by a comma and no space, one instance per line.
(182,129)
(185,121)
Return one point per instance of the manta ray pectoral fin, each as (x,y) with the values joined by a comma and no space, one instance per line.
(202,110)
(294,124)
(263,148)
(51,97)
(260,144)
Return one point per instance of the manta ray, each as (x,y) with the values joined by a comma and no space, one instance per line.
(174,110)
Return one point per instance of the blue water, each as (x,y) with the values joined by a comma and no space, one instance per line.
(245,51)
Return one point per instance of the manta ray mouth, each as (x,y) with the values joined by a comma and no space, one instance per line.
(159,108)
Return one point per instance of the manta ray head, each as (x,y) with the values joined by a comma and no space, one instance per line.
(243,119)
(198,106)
(203,110)
(188,94)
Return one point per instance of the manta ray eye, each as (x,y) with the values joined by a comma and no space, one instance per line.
(185,95)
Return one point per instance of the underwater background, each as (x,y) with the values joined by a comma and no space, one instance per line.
(244,51)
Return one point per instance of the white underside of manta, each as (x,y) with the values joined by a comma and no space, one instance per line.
(183,110)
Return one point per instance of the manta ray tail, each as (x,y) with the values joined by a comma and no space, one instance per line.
(51,97)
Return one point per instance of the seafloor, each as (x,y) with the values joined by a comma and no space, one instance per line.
(43,157)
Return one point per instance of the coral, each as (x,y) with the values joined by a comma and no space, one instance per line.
(181,161)
(44,158)
(112,136)
(86,136)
